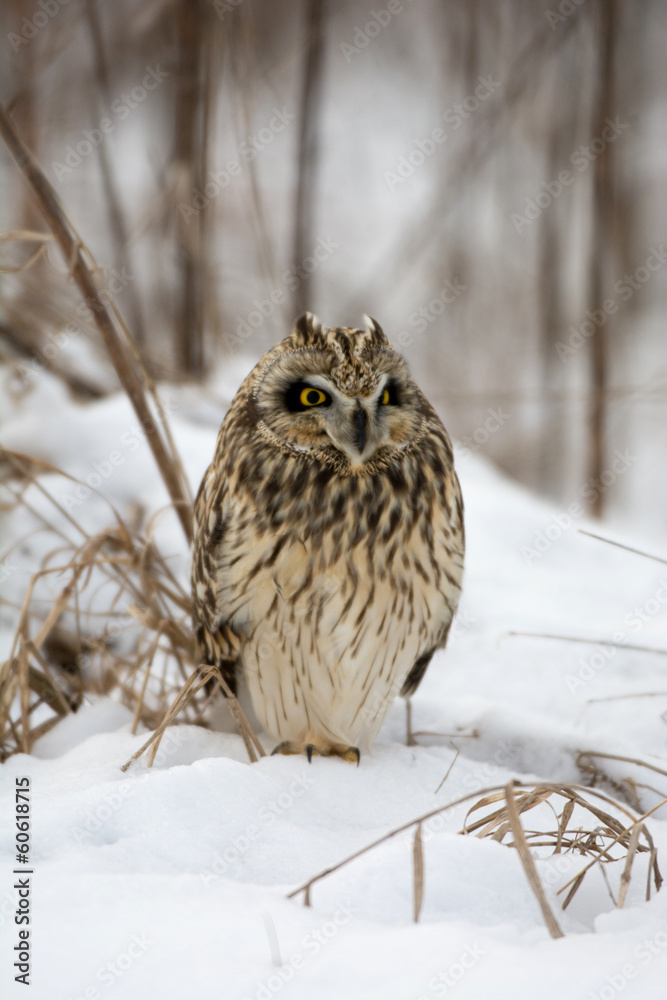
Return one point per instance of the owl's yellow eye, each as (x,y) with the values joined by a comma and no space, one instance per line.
(389,396)
(312,397)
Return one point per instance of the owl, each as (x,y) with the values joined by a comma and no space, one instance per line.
(329,539)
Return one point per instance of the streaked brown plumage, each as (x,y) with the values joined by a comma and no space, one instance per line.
(329,538)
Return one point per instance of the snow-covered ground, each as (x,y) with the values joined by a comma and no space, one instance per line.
(172,882)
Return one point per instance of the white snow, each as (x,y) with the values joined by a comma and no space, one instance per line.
(172,882)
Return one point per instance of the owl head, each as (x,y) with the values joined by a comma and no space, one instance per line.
(338,391)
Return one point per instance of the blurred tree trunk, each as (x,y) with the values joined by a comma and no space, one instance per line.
(308,152)
(30,312)
(602,244)
(190,163)
(550,452)
(101,102)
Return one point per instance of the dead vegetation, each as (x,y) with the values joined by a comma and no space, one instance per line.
(586,825)
(60,655)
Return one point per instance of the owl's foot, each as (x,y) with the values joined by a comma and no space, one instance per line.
(288,748)
(350,754)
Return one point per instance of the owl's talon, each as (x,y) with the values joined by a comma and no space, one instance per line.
(350,754)
(285,748)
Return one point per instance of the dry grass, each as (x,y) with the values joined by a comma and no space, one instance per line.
(59,656)
(586,824)
(44,676)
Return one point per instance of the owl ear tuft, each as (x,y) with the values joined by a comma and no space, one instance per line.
(375,332)
(308,328)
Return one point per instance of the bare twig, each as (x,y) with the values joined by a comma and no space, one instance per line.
(449,769)
(592,642)
(628,548)
(626,760)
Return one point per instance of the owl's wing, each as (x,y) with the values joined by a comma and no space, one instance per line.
(414,678)
(218,644)
(453,532)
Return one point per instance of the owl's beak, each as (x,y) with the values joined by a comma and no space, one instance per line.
(360,423)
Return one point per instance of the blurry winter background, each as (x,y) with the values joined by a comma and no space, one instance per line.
(404,161)
(486,180)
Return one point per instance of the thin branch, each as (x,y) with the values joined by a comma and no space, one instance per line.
(592,642)
(628,548)
(626,760)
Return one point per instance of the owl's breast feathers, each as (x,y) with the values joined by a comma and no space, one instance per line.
(326,587)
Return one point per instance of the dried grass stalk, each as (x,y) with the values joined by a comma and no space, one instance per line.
(418,871)
(528,863)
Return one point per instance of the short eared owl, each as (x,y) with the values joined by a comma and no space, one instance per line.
(329,538)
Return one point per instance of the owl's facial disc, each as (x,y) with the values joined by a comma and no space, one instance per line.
(360,425)
(310,412)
